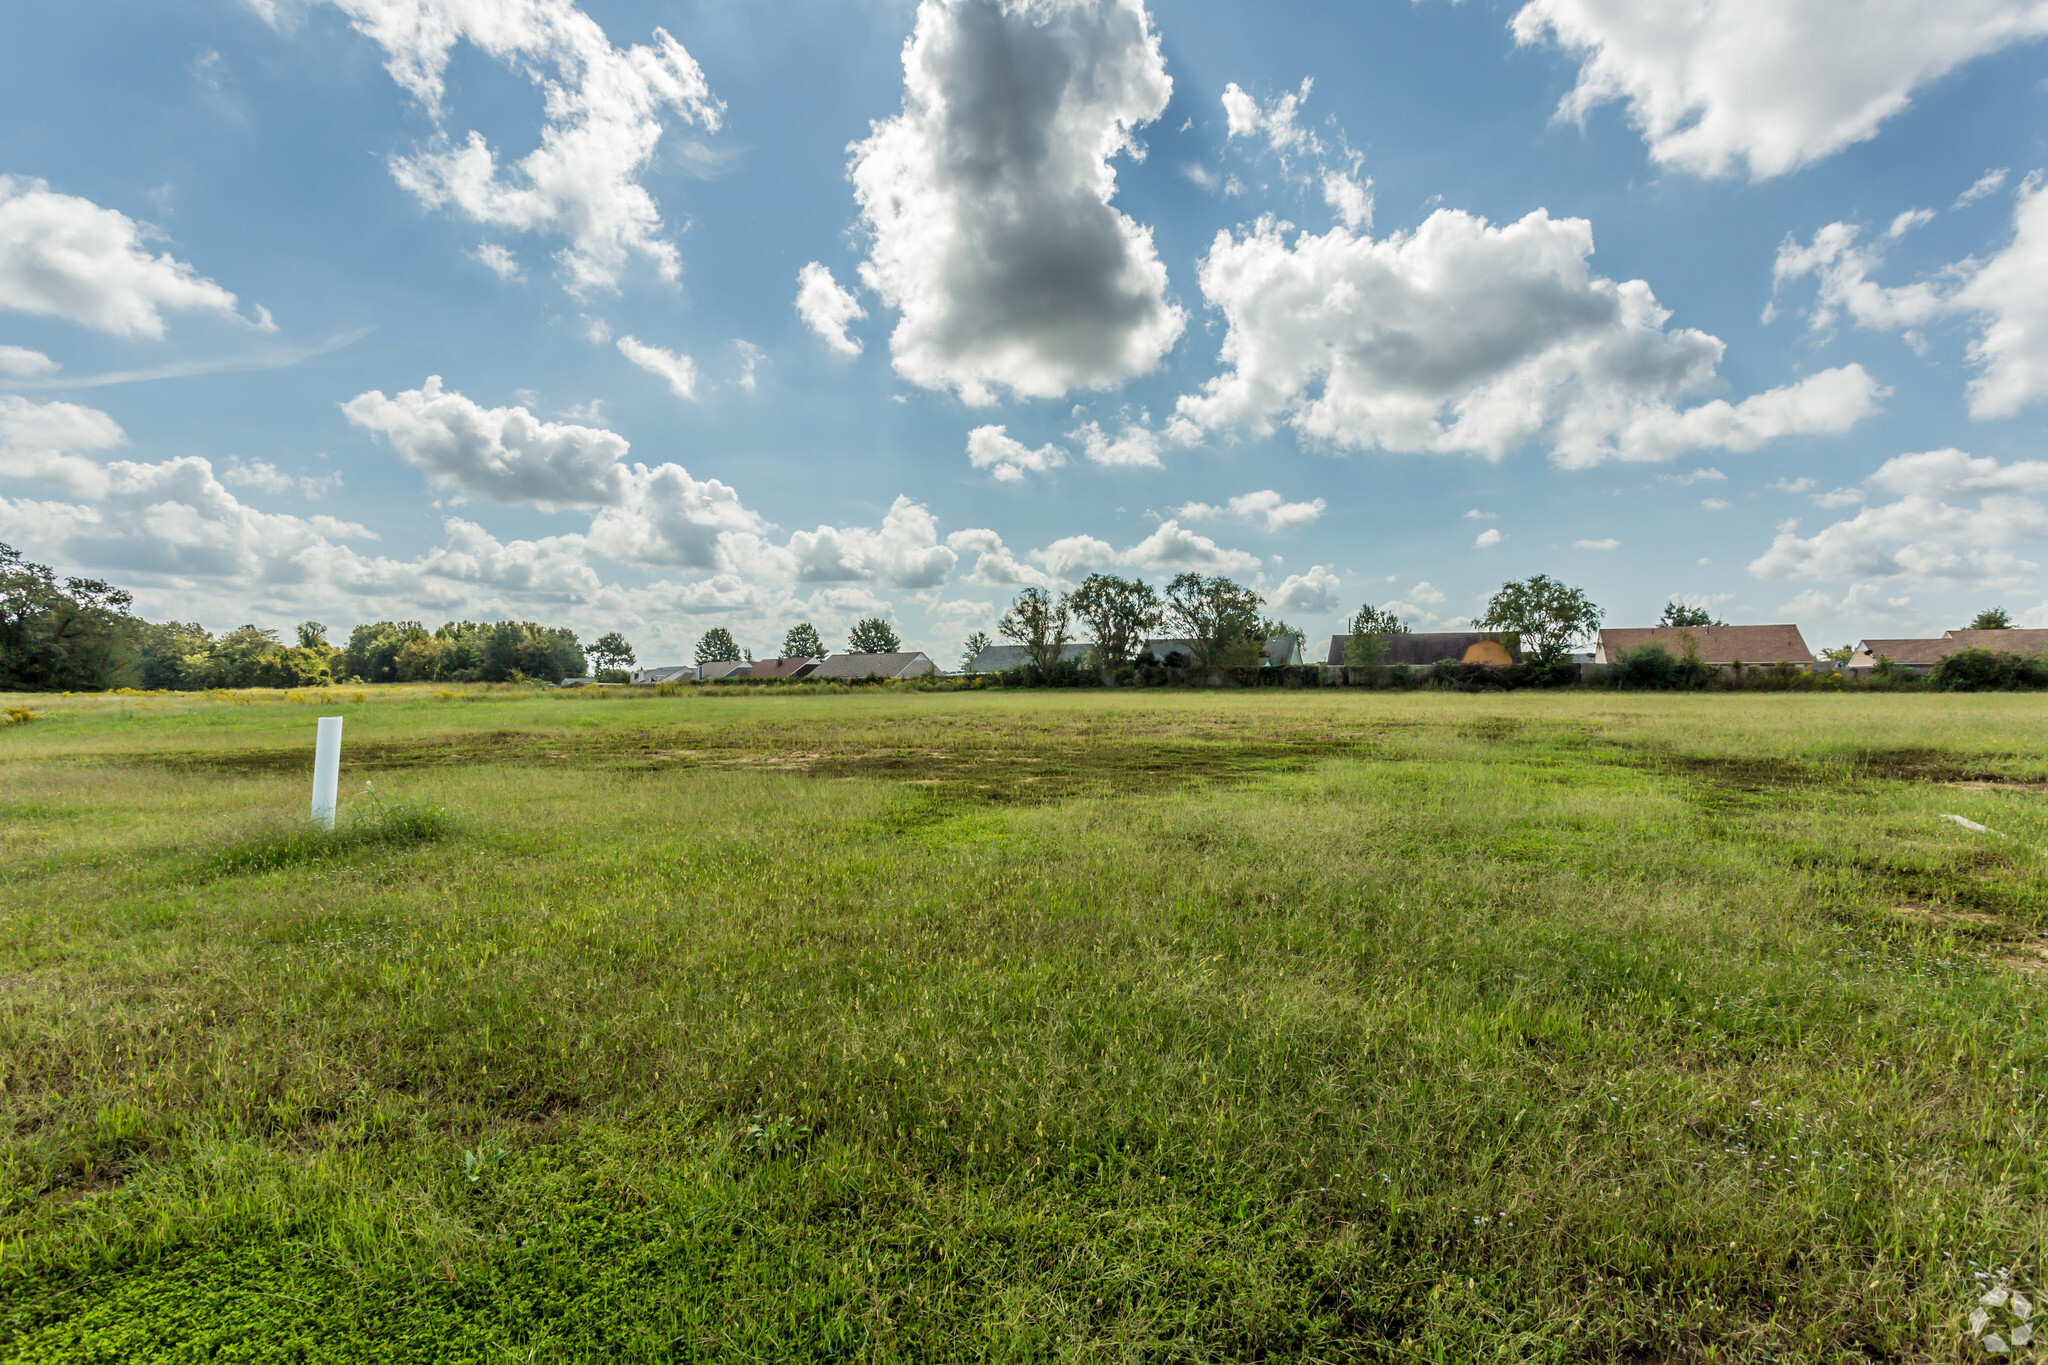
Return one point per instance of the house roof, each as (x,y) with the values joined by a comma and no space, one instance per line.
(721,668)
(661,674)
(875,666)
(1001,658)
(1421,647)
(1715,644)
(1908,651)
(2000,641)
(795,666)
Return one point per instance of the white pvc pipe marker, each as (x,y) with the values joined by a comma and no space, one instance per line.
(326,770)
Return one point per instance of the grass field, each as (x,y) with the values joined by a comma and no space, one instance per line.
(1054,1026)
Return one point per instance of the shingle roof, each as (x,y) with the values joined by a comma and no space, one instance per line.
(1908,651)
(2028,642)
(875,666)
(793,667)
(1002,658)
(1715,644)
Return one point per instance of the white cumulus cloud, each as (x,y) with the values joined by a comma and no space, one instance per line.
(988,199)
(1466,337)
(828,308)
(1490,536)
(1771,85)
(48,443)
(504,454)
(1266,508)
(605,113)
(679,372)
(1609,543)
(1009,459)
(1175,547)
(22,363)
(668,518)
(1313,593)
(905,552)
(2005,294)
(1135,447)
(63,256)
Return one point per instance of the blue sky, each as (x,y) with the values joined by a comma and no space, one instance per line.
(1744,302)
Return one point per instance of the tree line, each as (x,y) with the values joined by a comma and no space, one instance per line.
(81,635)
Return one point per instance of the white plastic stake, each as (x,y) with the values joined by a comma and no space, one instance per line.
(326,770)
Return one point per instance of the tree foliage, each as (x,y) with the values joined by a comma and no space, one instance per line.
(872,636)
(313,635)
(971,648)
(1119,612)
(1219,616)
(802,642)
(1678,613)
(1038,621)
(462,651)
(1992,618)
(75,637)
(1548,615)
(610,651)
(716,646)
(1369,631)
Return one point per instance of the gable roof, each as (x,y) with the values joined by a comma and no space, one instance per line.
(1002,658)
(908,665)
(795,666)
(2000,641)
(1907,651)
(661,674)
(1716,644)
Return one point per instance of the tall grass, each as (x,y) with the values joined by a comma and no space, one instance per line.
(1074,1026)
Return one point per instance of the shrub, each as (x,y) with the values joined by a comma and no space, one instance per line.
(1653,666)
(1980,670)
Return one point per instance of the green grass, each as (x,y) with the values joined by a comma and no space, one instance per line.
(1086,1026)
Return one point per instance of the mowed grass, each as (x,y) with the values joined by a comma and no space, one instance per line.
(1085,1026)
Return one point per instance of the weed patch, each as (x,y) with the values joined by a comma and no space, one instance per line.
(374,825)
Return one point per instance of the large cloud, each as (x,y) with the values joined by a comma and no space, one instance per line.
(62,256)
(1930,535)
(2005,293)
(669,518)
(993,448)
(905,552)
(1265,507)
(988,199)
(1466,337)
(503,454)
(605,114)
(1772,84)
(47,443)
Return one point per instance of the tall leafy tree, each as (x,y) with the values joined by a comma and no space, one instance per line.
(802,642)
(1548,615)
(1038,621)
(872,636)
(75,637)
(1992,618)
(716,646)
(312,635)
(610,650)
(1369,631)
(1220,616)
(1119,612)
(971,648)
(1677,613)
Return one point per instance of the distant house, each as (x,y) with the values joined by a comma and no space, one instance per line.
(1286,651)
(1003,658)
(1279,651)
(648,677)
(796,666)
(1920,656)
(913,665)
(1421,648)
(1717,646)
(723,668)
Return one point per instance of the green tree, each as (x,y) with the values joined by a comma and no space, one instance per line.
(1120,612)
(1677,613)
(1219,616)
(78,637)
(971,650)
(803,642)
(610,651)
(1038,621)
(872,636)
(312,635)
(716,646)
(1546,614)
(175,655)
(1369,631)
(1992,618)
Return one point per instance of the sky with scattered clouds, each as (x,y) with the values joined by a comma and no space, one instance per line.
(655,317)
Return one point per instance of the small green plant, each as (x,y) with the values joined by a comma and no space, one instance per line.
(478,1163)
(772,1139)
(18,715)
